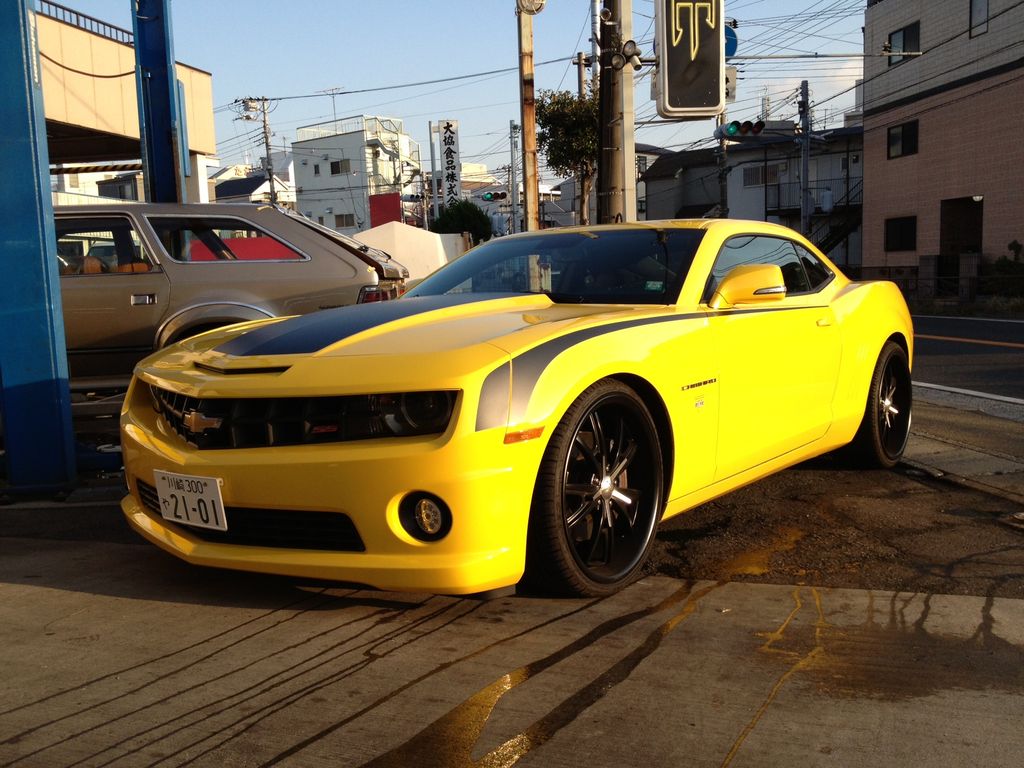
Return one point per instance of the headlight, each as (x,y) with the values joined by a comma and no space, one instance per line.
(417,413)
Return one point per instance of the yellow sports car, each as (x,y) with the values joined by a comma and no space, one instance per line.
(532,410)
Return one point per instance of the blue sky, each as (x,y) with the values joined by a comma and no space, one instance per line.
(277,49)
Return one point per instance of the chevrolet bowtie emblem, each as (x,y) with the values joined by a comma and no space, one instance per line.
(197,423)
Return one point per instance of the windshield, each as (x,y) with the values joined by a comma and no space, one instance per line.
(620,266)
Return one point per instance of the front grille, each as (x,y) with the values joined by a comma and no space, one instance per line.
(262,422)
(286,529)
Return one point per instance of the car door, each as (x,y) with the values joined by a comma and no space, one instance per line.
(777,362)
(113,294)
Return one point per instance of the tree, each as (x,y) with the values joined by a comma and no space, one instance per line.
(464,216)
(568,133)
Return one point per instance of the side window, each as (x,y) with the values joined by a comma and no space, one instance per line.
(99,245)
(751,249)
(201,238)
(818,274)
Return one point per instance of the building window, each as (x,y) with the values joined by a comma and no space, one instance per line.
(319,219)
(316,169)
(906,39)
(754,175)
(73,180)
(344,220)
(901,234)
(903,139)
(979,17)
(340,166)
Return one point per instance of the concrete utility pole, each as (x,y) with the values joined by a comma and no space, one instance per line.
(259,104)
(434,196)
(581,68)
(723,174)
(513,183)
(610,180)
(805,159)
(628,115)
(595,42)
(528,114)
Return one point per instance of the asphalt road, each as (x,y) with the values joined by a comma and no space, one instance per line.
(974,354)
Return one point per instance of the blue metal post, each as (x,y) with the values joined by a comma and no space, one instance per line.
(161,121)
(35,402)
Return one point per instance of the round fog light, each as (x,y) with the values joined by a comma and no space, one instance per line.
(424,516)
(428,516)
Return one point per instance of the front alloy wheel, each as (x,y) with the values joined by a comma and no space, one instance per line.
(599,495)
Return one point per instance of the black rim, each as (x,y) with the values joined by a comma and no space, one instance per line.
(893,407)
(611,489)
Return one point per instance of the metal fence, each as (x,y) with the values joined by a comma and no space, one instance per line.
(83,21)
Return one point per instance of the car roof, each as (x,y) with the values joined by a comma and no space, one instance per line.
(225,209)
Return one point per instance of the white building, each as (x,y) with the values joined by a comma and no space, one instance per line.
(358,172)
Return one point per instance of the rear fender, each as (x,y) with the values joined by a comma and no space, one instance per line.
(206,316)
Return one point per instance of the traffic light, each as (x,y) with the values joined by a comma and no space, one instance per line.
(690,54)
(735,131)
(494,195)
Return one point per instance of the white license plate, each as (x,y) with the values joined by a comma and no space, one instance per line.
(191,500)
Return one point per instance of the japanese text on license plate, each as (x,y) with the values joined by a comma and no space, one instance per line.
(191,500)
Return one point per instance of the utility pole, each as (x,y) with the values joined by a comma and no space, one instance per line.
(434,196)
(610,177)
(627,114)
(595,42)
(259,104)
(513,131)
(581,63)
(805,158)
(723,174)
(528,114)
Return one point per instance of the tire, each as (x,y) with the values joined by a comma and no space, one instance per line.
(598,497)
(885,428)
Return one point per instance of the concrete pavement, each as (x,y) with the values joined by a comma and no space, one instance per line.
(115,654)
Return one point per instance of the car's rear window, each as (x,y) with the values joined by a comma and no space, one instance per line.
(201,238)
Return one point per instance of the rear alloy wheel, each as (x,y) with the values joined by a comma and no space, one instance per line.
(598,498)
(883,433)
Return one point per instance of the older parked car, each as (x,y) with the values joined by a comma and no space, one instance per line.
(135,277)
(536,406)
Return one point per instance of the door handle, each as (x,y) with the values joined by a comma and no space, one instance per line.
(143,299)
(824,322)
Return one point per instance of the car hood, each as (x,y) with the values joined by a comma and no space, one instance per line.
(466,327)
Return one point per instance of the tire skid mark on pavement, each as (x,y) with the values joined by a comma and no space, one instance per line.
(230,702)
(802,660)
(117,673)
(449,741)
(380,616)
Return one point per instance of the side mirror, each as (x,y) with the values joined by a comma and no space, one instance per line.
(749,284)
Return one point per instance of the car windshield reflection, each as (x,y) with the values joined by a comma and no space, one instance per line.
(634,266)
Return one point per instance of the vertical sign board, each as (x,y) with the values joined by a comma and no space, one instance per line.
(451,166)
(690,51)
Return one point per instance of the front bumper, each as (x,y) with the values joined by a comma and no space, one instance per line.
(487,485)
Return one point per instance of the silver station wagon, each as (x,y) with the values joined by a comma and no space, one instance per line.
(136,277)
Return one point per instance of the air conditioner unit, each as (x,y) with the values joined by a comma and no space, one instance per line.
(305,162)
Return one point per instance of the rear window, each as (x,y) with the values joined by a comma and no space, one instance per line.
(190,239)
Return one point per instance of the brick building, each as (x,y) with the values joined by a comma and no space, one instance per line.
(943,172)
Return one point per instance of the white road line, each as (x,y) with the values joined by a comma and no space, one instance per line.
(979,319)
(970,393)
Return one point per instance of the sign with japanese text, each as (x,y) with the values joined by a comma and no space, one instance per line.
(451,166)
(690,53)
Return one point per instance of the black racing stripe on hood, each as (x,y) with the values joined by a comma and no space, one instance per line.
(313,332)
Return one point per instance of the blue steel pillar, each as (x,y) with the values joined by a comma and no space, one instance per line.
(161,114)
(34,399)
